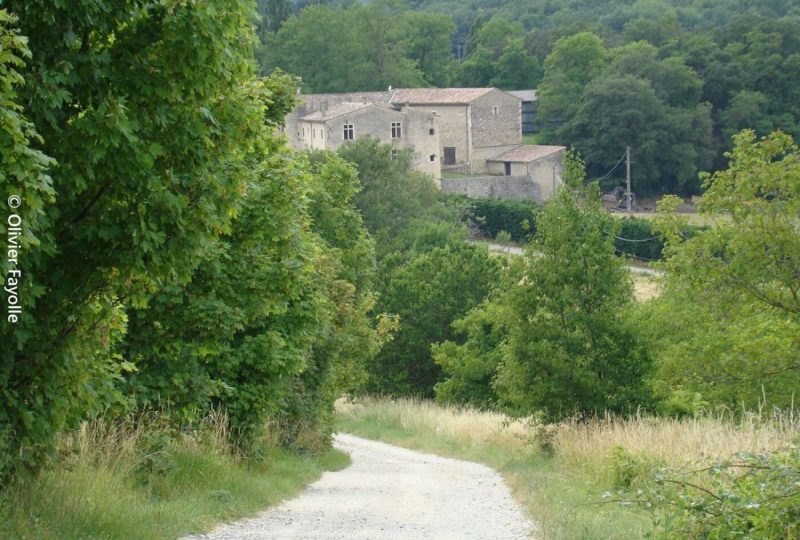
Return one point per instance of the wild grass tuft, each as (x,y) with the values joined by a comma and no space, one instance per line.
(144,480)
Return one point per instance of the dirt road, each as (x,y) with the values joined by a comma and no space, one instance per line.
(391,492)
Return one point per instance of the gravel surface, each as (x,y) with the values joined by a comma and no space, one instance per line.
(391,492)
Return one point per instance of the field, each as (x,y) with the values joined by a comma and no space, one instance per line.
(560,472)
(644,287)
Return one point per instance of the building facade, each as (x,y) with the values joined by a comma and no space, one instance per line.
(475,123)
(477,131)
(329,126)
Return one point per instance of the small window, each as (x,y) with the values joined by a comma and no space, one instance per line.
(347,131)
(394,154)
(432,131)
(432,157)
(495,110)
(396,130)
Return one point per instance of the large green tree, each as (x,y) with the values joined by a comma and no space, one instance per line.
(727,325)
(570,348)
(149,112)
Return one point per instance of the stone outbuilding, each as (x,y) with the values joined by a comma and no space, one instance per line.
(543,165)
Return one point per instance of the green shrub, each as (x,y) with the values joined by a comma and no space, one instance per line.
(637,238)
(518,217)
(747,496)
(629,470)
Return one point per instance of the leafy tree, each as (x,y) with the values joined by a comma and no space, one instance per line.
(569,347)
(499,58)
(392,195)
(729,319)
(426,41)
(470,365)
(573,64)
(516,68)
(669,143)
(429,292)
(148,139)
(554,336)
(340,50)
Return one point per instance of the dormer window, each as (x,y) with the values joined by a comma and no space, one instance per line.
(348,132)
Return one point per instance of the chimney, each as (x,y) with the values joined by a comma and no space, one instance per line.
(323,107)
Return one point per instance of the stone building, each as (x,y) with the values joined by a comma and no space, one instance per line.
(328,123)
(542,165)
(475,123)
(477,131)
(529,110)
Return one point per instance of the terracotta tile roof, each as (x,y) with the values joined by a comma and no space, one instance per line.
(334,111)
(438,96)
(312,101)
(525,153)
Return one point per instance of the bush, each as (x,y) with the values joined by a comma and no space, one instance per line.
(747,496)
(637,238)
(515,216)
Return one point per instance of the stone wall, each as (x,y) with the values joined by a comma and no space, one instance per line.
(547,172)
(494,187)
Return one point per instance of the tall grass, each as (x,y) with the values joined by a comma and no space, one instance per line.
(143,480)
(558,472)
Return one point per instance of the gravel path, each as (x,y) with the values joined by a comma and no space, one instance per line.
(391,492)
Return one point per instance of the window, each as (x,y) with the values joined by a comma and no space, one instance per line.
(495,110)
(396,130)
(432,131)
(348,131)
(394,154)
(432,157)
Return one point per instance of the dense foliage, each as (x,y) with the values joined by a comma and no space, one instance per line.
(732,290)
(515,216)
(563,342)
(175,254)
(428,274)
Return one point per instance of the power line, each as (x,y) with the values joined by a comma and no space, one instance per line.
(639,239)
(612,168)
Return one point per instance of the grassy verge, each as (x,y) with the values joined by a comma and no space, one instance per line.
(559,473)
(139,482)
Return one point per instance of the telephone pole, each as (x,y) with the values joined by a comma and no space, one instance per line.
(628,167)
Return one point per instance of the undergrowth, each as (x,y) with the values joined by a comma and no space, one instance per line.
(144,480)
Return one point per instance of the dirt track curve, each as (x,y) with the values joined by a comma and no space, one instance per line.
(391,492)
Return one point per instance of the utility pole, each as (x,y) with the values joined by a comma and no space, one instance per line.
(628,167)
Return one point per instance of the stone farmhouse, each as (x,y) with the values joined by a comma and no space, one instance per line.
(472,131)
